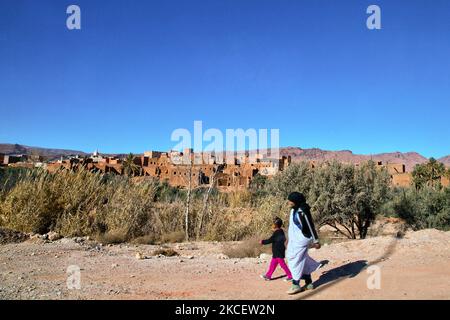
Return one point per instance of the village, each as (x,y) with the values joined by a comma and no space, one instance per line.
(188,168)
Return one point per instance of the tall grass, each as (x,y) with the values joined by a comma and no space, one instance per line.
(116,208)
(78,203)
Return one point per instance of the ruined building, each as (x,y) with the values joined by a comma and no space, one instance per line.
(181,169)
(175,168)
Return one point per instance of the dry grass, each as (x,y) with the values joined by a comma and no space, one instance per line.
(111,237)
(115,209)
(78,203)
(239,199)
(173,237)
(147,239)
(250,248)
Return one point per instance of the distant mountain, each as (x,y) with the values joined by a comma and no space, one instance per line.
(445,160)
(7,148)
(48,153)
(410,159)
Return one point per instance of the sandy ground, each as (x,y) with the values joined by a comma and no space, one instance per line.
(414,267)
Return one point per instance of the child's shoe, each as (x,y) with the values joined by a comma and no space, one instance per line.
(265,277)
(287,280)
(295,288)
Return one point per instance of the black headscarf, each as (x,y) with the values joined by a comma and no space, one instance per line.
(298,199)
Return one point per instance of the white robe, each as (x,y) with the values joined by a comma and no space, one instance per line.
(299,262)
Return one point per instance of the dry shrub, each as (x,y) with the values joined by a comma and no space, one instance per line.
(267,209)
(128,209)
(33,205)
(113,237)
(225,225)
(78,203)
(239,199)
(83,203)
(173,237)
(147,239)
(169,217)
(165,252)
(250,248)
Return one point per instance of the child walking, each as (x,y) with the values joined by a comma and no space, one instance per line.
(278,241)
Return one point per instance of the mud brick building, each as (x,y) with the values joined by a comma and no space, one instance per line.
(228,171)
(181,169)
(94,163)
(6,160)
(175,167)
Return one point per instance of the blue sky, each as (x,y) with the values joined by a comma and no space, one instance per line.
(137,70)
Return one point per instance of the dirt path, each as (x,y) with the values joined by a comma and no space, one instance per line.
(417,267)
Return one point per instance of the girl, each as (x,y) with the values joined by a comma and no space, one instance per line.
(302,235)
(278,240)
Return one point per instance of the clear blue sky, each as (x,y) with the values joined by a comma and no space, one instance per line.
(140,69)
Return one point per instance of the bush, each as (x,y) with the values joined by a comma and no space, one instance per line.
(113,237)
(346,197)
(428,174)
(173,237)
(297,177)
(147,239)
(423,208)
(250,248)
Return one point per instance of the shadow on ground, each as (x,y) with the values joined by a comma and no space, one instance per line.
(349,270)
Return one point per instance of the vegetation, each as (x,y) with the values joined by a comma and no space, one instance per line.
(116,209)
(129,167)
(250,248)
(429,174)
(422,208)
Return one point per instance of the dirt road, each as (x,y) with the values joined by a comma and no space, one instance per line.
(415,267)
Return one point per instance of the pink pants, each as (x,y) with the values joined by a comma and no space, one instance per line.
(273,265)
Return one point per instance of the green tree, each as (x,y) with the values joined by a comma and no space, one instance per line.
(331,196)
(428,174)
(348,198)
(422,208)
(129,167)
(372,190)
(296,177)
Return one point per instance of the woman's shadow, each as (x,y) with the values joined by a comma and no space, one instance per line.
(348,270)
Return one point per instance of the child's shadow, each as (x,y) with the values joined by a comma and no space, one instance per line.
(348,270)
(279,277)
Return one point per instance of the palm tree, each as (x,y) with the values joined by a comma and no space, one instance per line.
(429,173)
(129,167)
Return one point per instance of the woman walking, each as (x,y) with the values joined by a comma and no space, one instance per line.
(302,235)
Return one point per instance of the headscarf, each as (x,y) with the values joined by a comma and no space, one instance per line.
(298,199)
